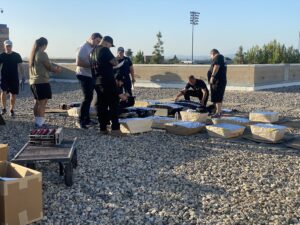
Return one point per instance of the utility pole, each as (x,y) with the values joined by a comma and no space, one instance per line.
(194,19)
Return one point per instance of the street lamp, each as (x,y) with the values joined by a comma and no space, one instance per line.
(194,19)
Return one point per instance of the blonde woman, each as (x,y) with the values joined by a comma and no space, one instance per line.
(39,68)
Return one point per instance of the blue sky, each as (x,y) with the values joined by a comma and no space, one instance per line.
(224,25)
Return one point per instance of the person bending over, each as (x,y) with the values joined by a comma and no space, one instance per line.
(195,88)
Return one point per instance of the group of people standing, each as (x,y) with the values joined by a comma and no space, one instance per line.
(100,71)
(111,77)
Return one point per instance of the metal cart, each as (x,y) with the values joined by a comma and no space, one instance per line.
(65,154)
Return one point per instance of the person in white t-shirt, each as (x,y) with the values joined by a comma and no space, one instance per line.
(87,82)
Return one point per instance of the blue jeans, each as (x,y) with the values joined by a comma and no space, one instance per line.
(87,86)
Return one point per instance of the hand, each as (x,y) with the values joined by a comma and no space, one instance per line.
(176,99)
(211,80)
(57,69)
(202,102)
(133,80)
(123,97)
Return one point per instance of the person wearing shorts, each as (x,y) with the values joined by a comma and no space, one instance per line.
(217,79)
(39,68)
(11,70)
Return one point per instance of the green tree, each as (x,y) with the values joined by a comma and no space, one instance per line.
(174,60)
(129,53)
(271,53)
(239,56)
(158,51)
(139,58)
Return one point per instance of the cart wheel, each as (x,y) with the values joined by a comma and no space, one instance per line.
(69,174)
(61,169)
(31,166)
(74,159)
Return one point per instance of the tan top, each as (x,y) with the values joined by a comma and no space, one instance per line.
(39,74)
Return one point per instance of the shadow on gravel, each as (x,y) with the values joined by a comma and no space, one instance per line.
(292,89)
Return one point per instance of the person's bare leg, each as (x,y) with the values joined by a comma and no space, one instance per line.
(12,101)
(218,107)
(42,107)
(35,108)
(3,99)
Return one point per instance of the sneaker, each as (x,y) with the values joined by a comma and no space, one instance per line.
(91,123)
(3,111)
(12,113)
(117,133)
(216,115)
(81,125)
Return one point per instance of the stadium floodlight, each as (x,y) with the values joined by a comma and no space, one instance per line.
(194,20)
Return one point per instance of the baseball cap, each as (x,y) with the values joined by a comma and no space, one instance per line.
(120,49)
(109,40)
(7,42)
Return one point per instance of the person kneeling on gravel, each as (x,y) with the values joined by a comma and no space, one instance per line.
(126,100)
(196,88)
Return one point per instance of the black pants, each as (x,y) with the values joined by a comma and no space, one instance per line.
(87,86)
(198,94)
(107,107)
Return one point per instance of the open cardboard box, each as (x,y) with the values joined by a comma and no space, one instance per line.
(20,194)
(3,152)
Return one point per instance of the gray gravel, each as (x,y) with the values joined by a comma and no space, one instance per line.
(159,178)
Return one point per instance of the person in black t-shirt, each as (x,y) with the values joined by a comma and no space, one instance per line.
(10,72)
(125,99)
(196,88)
(217,80)
(126,70)
(102,62)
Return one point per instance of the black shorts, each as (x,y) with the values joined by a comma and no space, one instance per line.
(10,85)
(41,91)
(217,92)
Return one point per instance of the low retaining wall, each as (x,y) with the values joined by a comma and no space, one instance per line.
(240,77)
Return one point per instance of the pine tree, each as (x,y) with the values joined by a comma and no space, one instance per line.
(139,58)
(158,52)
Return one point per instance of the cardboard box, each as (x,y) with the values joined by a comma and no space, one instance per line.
(184,127)
(3,152)
(75,112)
(20,194)
(145,103)
(225,130)
(232,120)
(265,117)
(136,125)
(268,132)
(193,116)
(158,122)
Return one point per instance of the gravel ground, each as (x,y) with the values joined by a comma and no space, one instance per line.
(159,178)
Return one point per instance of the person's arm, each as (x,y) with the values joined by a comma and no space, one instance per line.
(21,71)
(204,94)
(80,62)
(132,74)
(214,72)
(80,59)
(48,66)
(181,93)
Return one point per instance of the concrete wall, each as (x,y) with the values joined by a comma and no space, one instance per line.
(239,76)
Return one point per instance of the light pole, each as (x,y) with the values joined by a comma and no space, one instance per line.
(194,19)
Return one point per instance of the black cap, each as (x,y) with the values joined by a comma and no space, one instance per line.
(109,40)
